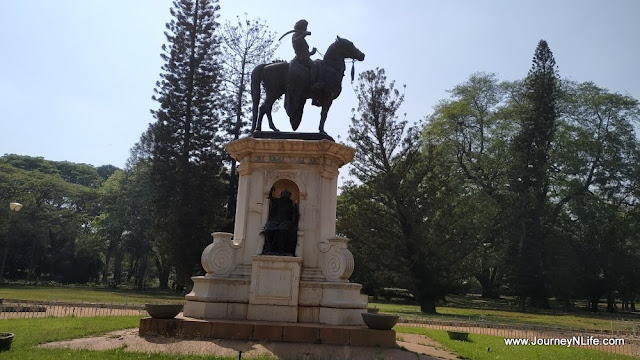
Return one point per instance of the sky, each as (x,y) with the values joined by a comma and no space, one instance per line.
(77,76)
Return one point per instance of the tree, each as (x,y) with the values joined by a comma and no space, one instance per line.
(52,233)
(105,171)
(410,202)
(530,179)
(186,173)
(594,184)
(246,44)
(112,222)
(473,124)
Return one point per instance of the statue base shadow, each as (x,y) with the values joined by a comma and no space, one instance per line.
(311,287)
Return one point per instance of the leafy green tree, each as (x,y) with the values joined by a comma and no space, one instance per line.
(105,171)
(57,213)
(530,179)
(594,182)
(474,125)
(112,222)
(410,202)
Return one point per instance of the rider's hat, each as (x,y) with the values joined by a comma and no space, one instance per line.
(300,26)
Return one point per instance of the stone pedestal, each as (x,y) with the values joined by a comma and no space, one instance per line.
(310,287)
(275,284)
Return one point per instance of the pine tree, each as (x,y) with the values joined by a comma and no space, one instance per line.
(530,180)
(187,175)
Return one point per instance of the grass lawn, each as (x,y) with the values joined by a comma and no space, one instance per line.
(574,320)
(476,348)
(86,294)
(568,320)
(31,332)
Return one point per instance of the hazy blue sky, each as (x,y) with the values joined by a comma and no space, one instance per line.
(76,77)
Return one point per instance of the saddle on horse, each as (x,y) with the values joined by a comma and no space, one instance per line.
(303,81)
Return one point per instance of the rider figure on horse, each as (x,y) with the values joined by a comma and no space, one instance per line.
(303,78)
(300,46)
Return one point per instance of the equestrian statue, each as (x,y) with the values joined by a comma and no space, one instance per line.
(302,79)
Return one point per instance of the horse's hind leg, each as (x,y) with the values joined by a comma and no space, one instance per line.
(265,109)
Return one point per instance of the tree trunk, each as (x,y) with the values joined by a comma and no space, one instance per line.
(594,304)
(487,280)
(107,261)
(117,267)
(426,297)
(428,306)
(611,302)
(522,304)
(140,276)
(4,258)
(163,274)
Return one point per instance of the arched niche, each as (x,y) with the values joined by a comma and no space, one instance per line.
(285,184)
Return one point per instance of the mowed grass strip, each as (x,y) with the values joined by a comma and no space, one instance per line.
(486,347)
(555,320)
(32,332)
(81,294)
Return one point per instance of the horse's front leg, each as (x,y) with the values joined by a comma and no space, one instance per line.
(326,104)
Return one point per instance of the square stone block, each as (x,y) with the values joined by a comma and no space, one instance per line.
(308,314)
(310,294)
(275,280)
(232,330)
(145,326)
(164,327)
(237,311)
(305,334)
(334,336)
(335,316)
(213,289)
(370,337)
(194,309)
(215,310)
(267,332)
(272,313)
(199,329)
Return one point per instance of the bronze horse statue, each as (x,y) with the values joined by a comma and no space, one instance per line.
(324,87)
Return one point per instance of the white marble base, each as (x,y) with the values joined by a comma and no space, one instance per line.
(272,313)
(275,280)
(213,289)
(333,316)
(313,286)
(215,310)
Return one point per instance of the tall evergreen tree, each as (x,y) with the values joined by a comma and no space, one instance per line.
(530,178)
(186,154)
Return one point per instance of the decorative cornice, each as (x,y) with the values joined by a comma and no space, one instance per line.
(290,151)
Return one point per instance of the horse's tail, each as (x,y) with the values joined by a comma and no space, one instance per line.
(256,80)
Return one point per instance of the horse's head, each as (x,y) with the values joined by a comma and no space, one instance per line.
(348,50)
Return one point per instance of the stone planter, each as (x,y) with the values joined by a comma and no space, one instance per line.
(458,335)
(5,341)
(380,321)
(163,311)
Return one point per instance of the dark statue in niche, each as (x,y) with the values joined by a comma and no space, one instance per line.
(302,79)
(281,229)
